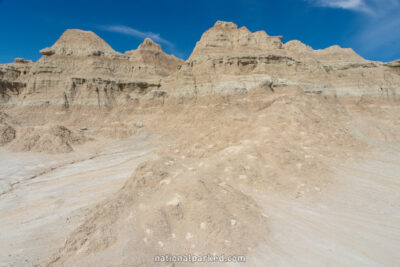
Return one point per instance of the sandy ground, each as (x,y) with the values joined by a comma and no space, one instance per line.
(283,181)
(37,214)
(356,224)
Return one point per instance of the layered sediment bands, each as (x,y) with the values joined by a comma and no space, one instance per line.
(394,66)
(9,89)
(82,69)
(228,60)
(97,91)
(11,76)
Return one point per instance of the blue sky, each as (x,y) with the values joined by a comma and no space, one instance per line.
(370,27)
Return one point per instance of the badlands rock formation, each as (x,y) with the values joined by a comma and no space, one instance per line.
(82,69)
(10,79)
(229,60)
(254,147)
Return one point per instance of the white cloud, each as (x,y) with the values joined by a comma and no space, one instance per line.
(371,7)
(136,33)
(356,5)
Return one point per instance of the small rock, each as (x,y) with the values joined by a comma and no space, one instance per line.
(22,60)
(165,181)
(97,53)
(156,94)
(173,202)
(48,51)
(139,124)
(189,236)
(242,177)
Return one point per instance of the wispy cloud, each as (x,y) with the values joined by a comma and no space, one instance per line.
(356,5)
(136,33)
(370,7)
(379,28)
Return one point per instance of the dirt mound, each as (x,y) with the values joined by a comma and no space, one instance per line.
(49,139)
(164,210)
(7,131)
(5,118)
(197,197)
(7,134)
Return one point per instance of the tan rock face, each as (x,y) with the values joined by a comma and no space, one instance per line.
(82,69)
(225,37)
(81,43)
(148,44)
(150,58)
(10,79)
(229,60)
